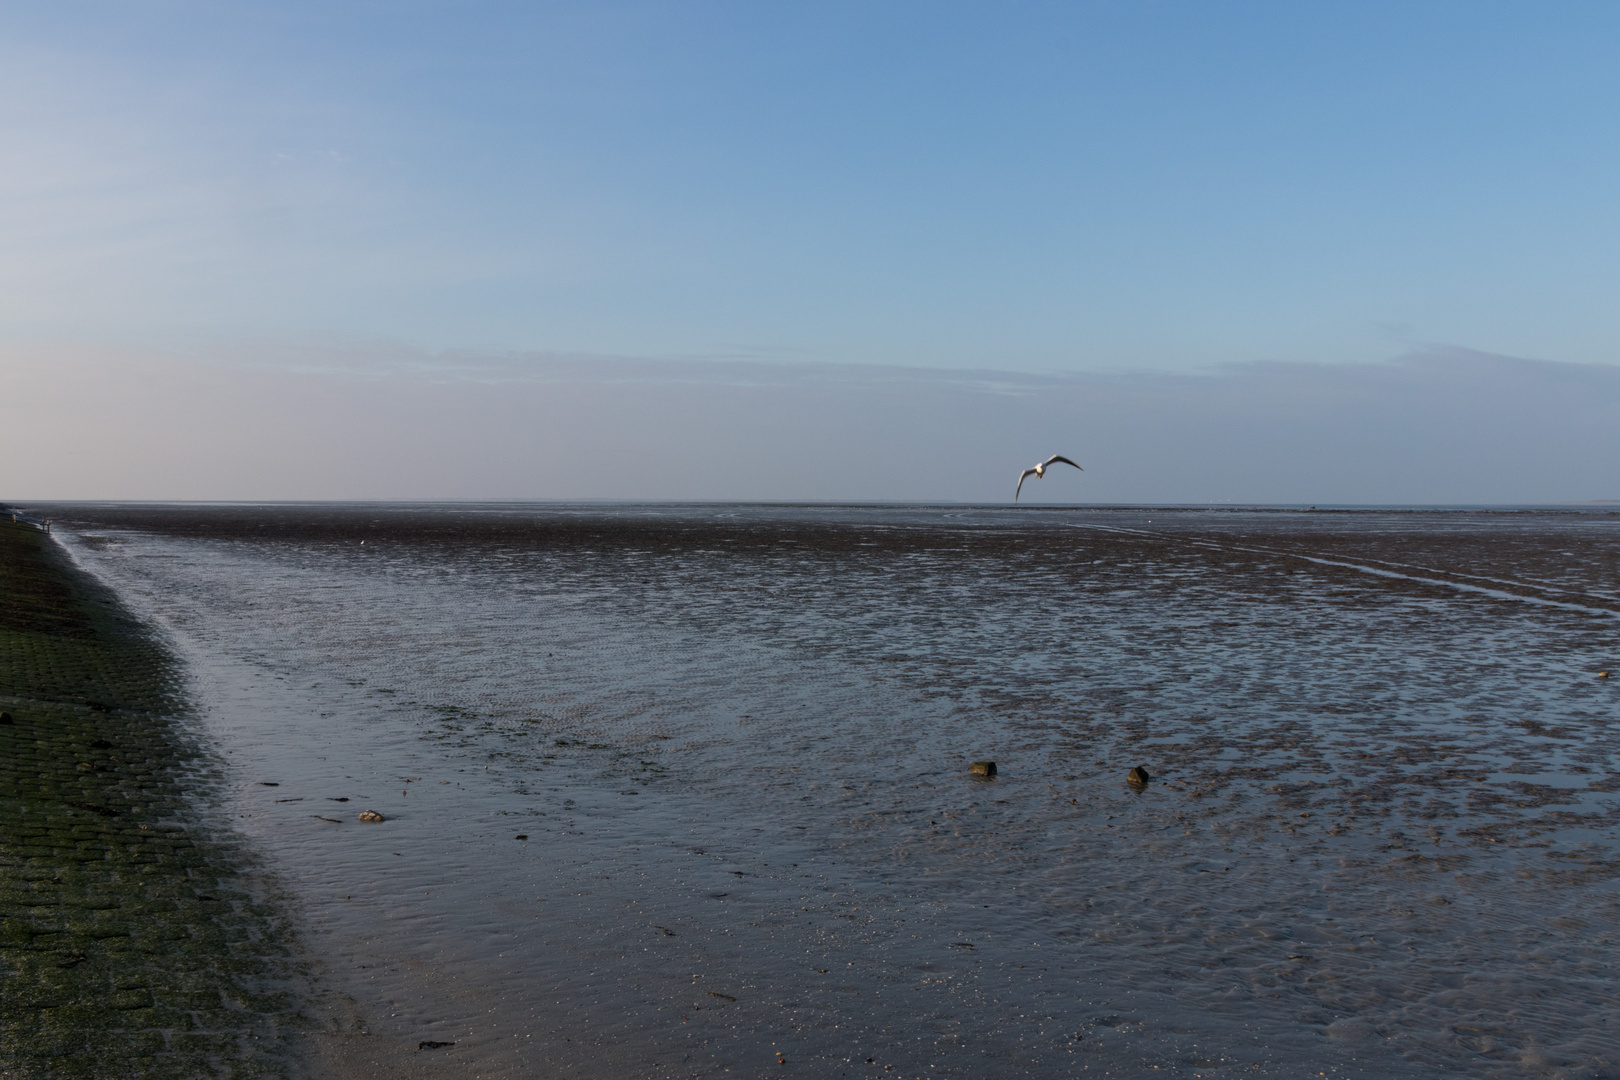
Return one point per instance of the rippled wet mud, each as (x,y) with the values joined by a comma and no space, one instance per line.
(1378,840)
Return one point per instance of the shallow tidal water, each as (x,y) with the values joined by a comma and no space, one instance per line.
(1379,840)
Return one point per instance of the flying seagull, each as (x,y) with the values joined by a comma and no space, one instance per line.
(1039,472)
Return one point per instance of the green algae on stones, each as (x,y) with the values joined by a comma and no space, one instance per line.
(134,942)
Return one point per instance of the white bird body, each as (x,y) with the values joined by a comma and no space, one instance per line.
(1039,472)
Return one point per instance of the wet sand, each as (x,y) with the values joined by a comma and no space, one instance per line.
(1378,841)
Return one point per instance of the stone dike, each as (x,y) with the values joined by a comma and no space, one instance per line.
(136,940)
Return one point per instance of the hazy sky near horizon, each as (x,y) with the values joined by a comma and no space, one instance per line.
(1086,192)
(1438,426)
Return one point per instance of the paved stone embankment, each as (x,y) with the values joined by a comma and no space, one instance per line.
(135,941)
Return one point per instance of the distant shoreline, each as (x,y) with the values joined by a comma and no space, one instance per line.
(40,509)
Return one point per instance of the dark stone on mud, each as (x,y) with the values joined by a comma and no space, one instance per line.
(99,706)
(429,1044)
(1139,775)
(5,718)
(983,768)
(100,744)
(521,836)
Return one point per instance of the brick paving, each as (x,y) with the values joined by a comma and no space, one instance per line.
(135,938)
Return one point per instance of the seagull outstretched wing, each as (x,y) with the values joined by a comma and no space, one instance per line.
(1039,471)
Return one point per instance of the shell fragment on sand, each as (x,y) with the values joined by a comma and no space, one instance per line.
(983,768)
(371,817)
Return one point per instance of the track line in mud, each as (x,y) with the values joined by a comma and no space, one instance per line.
(1461,586)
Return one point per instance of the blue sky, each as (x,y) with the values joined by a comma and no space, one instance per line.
(1018,186)
(1027,185)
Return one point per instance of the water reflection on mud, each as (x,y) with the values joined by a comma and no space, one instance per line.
(1379,840)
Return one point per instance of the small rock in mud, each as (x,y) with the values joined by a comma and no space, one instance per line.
(521,836)
(5,718)
(1139,775)
(429,1044)
(371,817)
(983,768)
(100,744)
(1603,674)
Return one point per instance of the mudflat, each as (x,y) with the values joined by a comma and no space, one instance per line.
(135,939)
(688,790)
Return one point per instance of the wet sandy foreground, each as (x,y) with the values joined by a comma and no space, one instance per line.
(1378,841)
